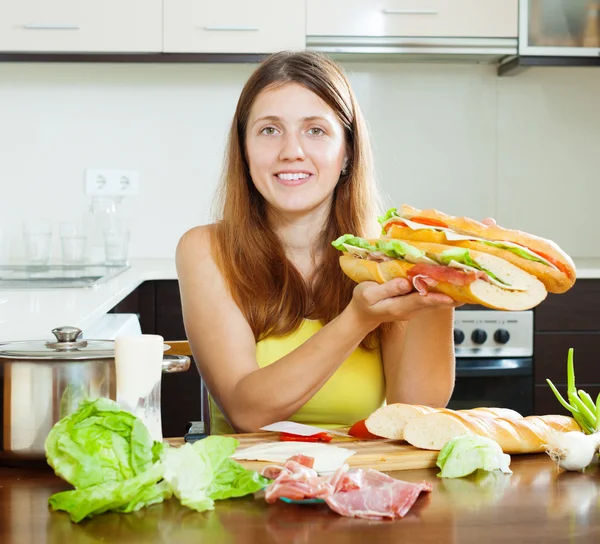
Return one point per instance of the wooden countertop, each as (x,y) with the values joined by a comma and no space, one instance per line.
(537,503)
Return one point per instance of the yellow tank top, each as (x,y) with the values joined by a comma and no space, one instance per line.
(356,389)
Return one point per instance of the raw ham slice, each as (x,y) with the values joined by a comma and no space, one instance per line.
(445,274)
(381,497)
(296,481)
(421,282)
(367,494)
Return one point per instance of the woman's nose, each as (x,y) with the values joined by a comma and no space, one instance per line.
(291,148)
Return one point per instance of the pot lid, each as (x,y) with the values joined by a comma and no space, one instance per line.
(66,346)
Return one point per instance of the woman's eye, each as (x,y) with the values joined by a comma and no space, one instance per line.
(316,131)
(269,131)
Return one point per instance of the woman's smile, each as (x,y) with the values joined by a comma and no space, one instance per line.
(293,179)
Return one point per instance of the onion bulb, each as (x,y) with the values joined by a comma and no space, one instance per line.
(573,450)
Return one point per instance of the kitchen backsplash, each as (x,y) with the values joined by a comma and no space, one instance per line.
(523,149)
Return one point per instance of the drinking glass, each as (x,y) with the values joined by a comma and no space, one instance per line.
(73,238)
(37,238)
(116,242)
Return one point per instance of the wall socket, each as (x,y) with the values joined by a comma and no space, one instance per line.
(105,182)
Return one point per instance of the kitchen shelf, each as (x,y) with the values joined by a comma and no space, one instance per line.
(515,65)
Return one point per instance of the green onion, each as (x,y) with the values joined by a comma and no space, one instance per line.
(585,412)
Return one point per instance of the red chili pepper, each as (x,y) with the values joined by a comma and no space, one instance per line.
(318,437)
(359,430)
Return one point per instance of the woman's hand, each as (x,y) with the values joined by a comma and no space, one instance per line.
(376,303)
(489,221)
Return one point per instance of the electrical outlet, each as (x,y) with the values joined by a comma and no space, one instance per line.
(105,182)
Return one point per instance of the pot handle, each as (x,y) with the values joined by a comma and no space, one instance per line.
(175,363)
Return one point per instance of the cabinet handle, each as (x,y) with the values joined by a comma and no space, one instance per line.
(34,26)
(232,28)
(410,11)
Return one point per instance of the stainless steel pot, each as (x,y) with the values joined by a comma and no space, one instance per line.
(44,381)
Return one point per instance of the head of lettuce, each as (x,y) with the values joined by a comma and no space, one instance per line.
(108,456)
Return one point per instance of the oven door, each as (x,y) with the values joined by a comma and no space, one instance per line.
(489,382)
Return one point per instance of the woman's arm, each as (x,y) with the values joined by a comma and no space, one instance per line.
(418,359)
(225,350)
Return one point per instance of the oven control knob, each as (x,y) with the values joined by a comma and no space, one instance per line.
(479,336)
(459,336)
(501,336)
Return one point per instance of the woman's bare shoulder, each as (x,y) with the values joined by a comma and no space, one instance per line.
(194,247)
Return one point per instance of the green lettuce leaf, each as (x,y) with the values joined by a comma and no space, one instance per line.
(399,250)
(392,212)
(465,454)
(462,256)
(202,472)
(517,251)
(351,240)
(189,476)
(100,443)
(121,496)
(231,478)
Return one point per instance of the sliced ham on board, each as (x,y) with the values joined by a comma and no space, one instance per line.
(367,494)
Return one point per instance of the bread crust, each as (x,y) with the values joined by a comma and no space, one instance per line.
(558,281)
(389,420)
(526,435)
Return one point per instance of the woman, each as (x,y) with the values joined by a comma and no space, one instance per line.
(277,330)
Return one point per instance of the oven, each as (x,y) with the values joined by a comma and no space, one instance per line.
(494,359)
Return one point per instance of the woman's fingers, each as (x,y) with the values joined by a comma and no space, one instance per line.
(373,293)
(489,221)
(405,307)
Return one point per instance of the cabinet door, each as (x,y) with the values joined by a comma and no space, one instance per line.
(81,26)
(430,18)
(233,26)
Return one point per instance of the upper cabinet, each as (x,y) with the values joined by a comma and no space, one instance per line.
(233,26)
(81,26)
(413,18)
(560,28)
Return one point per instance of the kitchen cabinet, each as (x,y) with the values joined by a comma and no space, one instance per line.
(418,18)
(158,306)
(233,26)
(569,28)
(76,26)
(568,320)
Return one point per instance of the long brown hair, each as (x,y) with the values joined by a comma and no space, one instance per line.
(265,285)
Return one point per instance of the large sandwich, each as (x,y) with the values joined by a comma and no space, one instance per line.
(540,257)
(466,275)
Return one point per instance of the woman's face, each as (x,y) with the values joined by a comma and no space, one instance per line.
(295,147)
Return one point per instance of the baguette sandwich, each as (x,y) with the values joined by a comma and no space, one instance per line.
(540,257)
(467,276)
(527,435)
(389,420)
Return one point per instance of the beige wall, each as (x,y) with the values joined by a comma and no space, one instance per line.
(524,149)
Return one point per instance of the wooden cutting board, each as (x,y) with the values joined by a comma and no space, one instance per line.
(383,455)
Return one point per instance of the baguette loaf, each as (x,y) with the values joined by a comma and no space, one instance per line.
(389,420)
(526,435)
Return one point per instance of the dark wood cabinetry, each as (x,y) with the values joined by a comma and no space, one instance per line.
(158,306)
(569,320)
